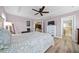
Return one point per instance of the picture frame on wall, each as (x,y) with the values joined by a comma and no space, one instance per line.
(28,23)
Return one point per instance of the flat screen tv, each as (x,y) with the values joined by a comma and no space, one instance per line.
(51,23)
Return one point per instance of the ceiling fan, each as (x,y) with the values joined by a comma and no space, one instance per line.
(40,11)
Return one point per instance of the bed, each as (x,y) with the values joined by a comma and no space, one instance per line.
(33,42)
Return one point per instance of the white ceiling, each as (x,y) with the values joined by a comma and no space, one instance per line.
(26,11)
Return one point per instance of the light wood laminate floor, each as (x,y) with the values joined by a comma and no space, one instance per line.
(64,45)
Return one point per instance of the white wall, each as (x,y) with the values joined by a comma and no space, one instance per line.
(19,22)
(58,22)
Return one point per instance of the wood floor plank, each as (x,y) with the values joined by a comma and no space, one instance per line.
(63,45)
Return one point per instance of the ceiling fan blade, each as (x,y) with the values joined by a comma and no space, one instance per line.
(41,14)
(42,8)
(36,13)
(45,12)
(35,10)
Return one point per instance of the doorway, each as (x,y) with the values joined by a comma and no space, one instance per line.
(38,27)
(68,27)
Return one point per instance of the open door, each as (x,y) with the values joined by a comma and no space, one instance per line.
(68,27)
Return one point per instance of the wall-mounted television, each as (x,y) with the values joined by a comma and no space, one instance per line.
(51,22)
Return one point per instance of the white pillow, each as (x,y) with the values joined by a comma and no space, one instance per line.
(5,38)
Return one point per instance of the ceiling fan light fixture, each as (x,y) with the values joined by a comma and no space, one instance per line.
(40,11)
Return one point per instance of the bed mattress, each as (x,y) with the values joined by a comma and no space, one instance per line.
(33,42)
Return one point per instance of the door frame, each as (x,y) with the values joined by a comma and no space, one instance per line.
(74,26)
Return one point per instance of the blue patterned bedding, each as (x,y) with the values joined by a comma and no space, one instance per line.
(33,42)
(5,38)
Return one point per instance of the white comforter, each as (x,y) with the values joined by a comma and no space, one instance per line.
(34,42)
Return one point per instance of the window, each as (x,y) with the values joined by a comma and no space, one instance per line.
(28,23)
